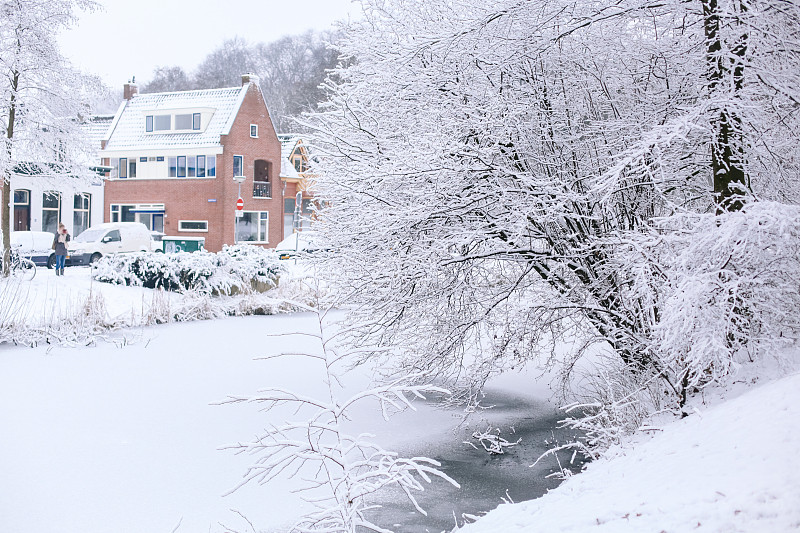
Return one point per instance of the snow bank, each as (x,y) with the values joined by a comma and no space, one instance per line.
(733,468)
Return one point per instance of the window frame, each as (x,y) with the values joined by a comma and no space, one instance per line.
(148,123)
(187,117)
(83,210)
(182,222)
(241,166)
(254,131)
(259,221)
(201,168)
(197,121)
(156,127)
(57,209)
(122,168)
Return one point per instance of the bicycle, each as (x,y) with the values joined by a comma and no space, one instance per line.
(22,267)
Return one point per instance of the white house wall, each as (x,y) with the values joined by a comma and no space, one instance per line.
(38,185)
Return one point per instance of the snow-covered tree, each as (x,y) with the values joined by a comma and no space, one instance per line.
(486,164)
(42,98)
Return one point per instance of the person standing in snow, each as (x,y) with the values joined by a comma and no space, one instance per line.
(60,246)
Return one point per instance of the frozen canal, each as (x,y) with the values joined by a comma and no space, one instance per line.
(125,436)
(485,479)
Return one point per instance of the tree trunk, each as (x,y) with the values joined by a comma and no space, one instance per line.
(8,201)
(727,147)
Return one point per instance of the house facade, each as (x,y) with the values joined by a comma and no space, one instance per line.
(180,159)
(295,179)
(43,198)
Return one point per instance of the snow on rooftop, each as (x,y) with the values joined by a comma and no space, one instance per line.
(96,128)
(129,132)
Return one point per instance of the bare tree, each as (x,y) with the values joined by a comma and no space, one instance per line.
(166,79)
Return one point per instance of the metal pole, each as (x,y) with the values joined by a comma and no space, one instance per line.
(236,217)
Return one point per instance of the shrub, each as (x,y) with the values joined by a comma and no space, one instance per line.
(236,269)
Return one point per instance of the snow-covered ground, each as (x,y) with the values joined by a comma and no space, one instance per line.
(126,436)
(730,467)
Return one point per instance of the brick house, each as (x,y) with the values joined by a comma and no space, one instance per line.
(174,158)
(295,178)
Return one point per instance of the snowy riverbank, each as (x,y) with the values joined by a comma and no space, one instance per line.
(732,466)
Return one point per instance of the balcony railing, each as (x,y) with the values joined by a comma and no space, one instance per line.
(262,189)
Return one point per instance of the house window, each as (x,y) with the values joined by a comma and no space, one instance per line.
(22,210)
(254,130)
(253,226)
(148,123)
(123,167)
(123,213)
(193,225)
(51,211)
(261,183)
(183,122)
(238,165)
(201,166)
(196,121)
(162,122)
(290,223)
(132,168)
(81,216)
(153,221)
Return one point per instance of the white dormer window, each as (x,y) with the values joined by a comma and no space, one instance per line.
(176,121)
(254,131)
(183,122)
(163,122)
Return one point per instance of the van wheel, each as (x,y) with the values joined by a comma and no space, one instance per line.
(95,258)
(51,261)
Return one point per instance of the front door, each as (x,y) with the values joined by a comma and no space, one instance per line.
(22,218)
(22,210)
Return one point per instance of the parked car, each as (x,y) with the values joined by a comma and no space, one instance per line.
(110,238)
(36,246)
(294,245)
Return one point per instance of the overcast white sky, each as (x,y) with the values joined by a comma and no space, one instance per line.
(132,37)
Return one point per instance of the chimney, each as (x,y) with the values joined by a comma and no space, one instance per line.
(130,89)
(249,78)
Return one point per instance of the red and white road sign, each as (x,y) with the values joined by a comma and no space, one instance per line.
(239,204)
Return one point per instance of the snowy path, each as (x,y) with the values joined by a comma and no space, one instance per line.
(732,468)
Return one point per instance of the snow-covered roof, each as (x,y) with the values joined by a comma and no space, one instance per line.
(129,129)
(96,128)
(288,144)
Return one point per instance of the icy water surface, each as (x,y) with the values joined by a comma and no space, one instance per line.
(485,479)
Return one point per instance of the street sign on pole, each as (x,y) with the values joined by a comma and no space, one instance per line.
(239,204)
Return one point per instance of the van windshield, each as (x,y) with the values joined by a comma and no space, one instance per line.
(90,235)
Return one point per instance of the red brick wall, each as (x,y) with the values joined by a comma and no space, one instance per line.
(188,198)
(267,147)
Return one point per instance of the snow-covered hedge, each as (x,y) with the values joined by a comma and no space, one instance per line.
(235,269)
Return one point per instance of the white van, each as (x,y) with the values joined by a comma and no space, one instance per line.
(109,238)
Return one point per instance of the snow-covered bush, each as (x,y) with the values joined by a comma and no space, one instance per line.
(236,269)
(731,283)
(724,289)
